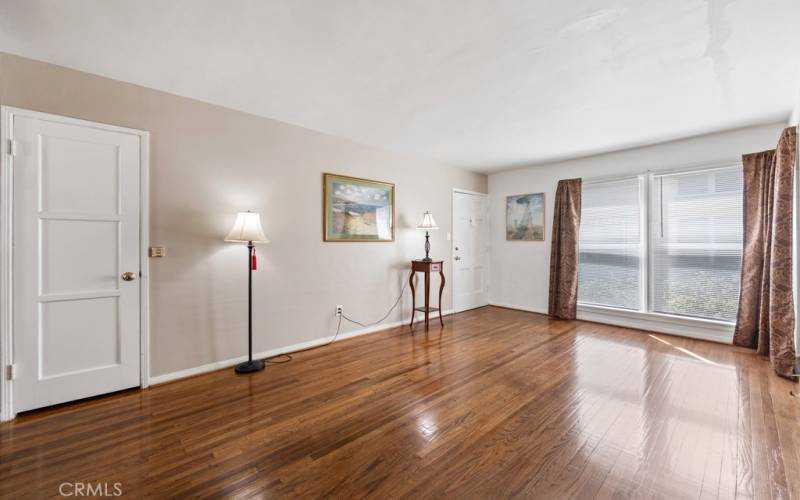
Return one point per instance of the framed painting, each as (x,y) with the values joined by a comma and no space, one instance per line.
(525,217)
(357,209)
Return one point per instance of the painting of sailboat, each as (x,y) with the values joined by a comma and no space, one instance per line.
(525,217)
(357,209)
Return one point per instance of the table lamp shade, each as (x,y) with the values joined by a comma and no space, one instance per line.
(247,228)
(427,222)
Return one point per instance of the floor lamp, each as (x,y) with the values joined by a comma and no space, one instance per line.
(247,229)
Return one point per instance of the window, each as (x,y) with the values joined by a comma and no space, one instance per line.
(697,243)
(609,272)
(690,252)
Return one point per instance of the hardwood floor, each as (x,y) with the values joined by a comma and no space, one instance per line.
(498,403)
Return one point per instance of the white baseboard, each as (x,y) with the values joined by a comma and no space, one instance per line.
(675,326)
(713,331)
(218,365)
(520,308)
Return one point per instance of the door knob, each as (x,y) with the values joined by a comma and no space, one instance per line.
(128,276)
(458,258)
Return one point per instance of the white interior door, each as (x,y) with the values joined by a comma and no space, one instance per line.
(470,251)
(75,234)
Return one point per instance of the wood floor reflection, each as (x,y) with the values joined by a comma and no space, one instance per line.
(499,403)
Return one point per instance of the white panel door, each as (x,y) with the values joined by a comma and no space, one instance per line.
(470,251)
(75,232)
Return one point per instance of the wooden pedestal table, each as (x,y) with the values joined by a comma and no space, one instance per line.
(427,267)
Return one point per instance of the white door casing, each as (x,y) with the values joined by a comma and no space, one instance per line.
(470,250)
(79,328)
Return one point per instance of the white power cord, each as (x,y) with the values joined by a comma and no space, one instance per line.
(339,328)
(366,325)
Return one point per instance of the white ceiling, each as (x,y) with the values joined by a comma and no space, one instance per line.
(483,84)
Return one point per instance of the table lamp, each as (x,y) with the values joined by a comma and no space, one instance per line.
(427,224)
(247,229)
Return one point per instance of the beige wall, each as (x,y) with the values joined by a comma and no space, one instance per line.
(209,162)
(520,270)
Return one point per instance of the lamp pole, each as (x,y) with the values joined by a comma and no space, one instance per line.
(250,248)
(427,247)
(250,366)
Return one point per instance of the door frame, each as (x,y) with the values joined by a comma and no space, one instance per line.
(453,239)
(7,114)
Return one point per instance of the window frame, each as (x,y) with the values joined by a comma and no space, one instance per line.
(692,326)
(643,294)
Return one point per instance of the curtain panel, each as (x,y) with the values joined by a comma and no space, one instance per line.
(765,320)
(563,299)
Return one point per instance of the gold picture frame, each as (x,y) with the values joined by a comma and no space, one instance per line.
(357,210)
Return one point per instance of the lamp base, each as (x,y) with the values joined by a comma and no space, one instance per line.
(427,259)
(250,366)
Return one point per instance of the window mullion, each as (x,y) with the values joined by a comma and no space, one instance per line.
(645,181)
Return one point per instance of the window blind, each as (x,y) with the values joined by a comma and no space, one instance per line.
(610,250)
(696,240)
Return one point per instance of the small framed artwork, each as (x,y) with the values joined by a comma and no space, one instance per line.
(357,209)
(525,217)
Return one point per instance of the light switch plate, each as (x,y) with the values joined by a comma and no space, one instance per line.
(158,252)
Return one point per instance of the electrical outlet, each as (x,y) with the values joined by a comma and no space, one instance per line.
(339,310)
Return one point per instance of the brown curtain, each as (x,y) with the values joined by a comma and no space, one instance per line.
(765,320)
(563,301)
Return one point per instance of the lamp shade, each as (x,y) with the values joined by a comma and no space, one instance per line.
(247,228)
(427,222)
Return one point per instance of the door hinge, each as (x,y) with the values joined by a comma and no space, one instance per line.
(11,372)
(12,147)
